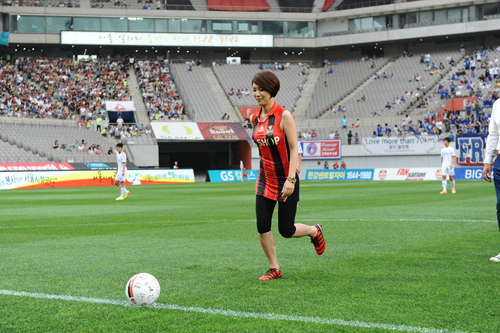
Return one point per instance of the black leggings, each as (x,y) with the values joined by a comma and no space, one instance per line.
(264,208)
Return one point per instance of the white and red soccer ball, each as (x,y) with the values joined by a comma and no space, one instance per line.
(142,289)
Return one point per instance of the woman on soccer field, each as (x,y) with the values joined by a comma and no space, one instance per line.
(275,133)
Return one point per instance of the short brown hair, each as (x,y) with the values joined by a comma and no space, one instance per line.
(267,81)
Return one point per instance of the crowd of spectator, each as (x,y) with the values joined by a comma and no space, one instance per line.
(61,88)
(122,4)
(335,165)
(158,90)
(83,147)
(239,93)
(38,3)
(473,123)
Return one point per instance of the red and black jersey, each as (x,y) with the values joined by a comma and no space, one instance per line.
(274,155)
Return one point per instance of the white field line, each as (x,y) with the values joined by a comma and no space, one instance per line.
(215,221)
(231,313)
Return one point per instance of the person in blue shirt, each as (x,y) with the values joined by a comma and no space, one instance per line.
(467,63)
(344,122)
(388,106)
(379,130)
(330,71)
(387,129)
(452,137)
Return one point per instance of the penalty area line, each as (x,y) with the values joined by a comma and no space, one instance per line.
(231,313)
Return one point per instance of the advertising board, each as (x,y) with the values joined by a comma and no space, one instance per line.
(84,178)
(321,149)
(231,175)
(342,174)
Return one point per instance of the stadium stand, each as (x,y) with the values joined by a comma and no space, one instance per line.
(14,154)
(180,5)
(197,95)
(239,77)
(404,79)
(38,140)
(43,3)
(64,88)
(483,85)
(158,90)
(346,77)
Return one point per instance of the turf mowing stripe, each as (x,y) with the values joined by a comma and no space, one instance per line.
(230,313)
(211,221)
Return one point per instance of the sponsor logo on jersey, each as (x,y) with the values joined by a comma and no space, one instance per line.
(268,141)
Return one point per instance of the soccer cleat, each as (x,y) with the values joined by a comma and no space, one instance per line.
(120,198)
(272,273)
(453,191)
(319,241)
(496,258)
(126,195)
(443,192)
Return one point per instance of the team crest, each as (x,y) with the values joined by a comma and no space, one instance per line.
(270,130)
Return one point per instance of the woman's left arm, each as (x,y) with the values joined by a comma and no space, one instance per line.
(288,126)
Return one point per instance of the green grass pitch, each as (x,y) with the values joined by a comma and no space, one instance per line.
(399,257)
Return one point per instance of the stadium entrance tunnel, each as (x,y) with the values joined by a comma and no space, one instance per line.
(204,156)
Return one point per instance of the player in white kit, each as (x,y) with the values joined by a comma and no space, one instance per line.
(121,171)
(447,164)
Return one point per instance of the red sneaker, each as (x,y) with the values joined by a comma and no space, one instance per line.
(319,241)
(272,273)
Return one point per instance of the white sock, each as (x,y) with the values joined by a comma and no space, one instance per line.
(453,184)
(123,192)
(444,185)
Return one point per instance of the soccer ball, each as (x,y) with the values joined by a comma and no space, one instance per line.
(142,289)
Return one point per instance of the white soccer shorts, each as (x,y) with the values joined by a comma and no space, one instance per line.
(119,176)
(447,171)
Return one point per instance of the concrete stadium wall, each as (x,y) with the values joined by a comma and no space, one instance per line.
(145,155)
